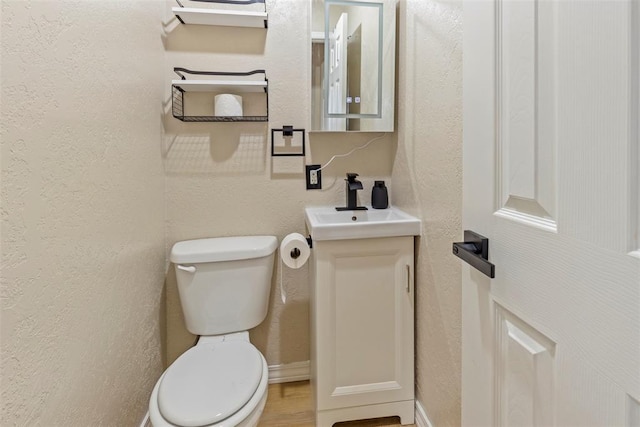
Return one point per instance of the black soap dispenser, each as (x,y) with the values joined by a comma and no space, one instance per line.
(379,196)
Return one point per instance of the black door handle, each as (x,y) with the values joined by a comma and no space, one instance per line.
(475,251)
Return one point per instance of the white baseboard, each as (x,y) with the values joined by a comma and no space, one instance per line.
(146,422)
(421,416)
(289,372)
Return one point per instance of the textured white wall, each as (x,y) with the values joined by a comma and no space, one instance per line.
(83,228)
(222,180)
(82,211)
(427,179)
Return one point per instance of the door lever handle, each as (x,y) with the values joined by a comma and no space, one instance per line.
(475,251)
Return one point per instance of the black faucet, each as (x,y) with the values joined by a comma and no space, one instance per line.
(353,185)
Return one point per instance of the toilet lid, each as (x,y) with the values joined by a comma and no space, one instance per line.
(209,383)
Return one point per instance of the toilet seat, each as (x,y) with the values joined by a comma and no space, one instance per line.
(209,383)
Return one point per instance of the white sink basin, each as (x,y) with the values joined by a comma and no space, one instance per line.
(325,223)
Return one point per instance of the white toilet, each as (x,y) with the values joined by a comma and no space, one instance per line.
(224,286)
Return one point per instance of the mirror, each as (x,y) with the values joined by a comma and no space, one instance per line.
(353,65)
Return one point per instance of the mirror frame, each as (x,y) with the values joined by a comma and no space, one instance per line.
(387,121)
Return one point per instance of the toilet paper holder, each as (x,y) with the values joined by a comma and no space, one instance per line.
(295,252)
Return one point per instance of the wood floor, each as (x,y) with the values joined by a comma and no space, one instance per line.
(289,404)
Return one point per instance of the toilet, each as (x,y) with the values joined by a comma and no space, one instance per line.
(224,285)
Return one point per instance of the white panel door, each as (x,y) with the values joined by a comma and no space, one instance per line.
(550,165)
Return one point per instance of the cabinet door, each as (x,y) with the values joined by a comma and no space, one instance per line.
(364,321)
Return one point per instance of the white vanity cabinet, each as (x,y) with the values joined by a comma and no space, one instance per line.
(362,322)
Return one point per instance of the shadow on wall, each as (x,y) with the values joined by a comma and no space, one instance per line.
(213,148)
(292,316)
(290,337)
(162,321)
(231,153)
(176,339)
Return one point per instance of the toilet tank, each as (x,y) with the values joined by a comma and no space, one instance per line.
(224,283)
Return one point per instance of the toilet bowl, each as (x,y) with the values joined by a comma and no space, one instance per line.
(224,286)
(221,382)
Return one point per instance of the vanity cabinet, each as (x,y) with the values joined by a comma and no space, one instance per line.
(362,323)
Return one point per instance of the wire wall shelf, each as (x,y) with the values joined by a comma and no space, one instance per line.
(234,82)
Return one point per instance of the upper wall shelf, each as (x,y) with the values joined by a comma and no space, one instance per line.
(223,17)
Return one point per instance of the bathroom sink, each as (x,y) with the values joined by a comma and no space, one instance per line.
(325,223)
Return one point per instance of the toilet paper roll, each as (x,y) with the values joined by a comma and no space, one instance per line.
(294,250)
(227,105)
